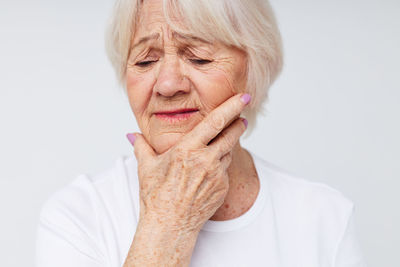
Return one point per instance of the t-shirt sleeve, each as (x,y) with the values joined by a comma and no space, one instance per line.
(348,252)
(63,238)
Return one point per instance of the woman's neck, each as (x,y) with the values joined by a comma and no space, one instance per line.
(243,186)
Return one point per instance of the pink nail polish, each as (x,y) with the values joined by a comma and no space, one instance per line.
(245,98)
(131,138)
(245,122)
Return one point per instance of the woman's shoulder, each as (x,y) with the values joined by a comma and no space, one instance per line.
(83,188)
(310,215)
(292,191)
(87,215)
(89,199)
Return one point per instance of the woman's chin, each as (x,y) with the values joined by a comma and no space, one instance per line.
(163,142)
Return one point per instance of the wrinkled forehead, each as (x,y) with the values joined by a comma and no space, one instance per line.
(152,25)
(178,38)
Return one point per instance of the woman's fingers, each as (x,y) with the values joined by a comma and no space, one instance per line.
(218,119)
(142,149)
(227,139)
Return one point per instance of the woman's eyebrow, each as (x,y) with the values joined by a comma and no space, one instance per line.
(189,37)
(145,39)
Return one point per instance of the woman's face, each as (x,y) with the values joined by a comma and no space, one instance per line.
(174,81)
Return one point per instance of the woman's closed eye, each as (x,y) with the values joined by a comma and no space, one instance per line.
(200,61)
(145,63)
(194,61)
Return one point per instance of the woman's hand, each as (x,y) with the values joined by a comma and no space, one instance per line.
(183,187)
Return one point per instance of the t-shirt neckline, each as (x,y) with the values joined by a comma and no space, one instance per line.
(249,215)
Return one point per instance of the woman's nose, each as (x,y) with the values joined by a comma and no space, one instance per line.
(170,78)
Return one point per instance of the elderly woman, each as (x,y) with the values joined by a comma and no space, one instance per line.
(192,195)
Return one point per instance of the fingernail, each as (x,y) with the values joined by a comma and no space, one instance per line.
(245,122)
(131,138)
(245,98)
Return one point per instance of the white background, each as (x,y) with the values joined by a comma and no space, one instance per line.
(333,115)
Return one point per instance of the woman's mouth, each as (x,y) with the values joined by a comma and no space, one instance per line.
(176,115)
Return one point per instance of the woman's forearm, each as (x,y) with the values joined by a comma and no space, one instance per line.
(156,245)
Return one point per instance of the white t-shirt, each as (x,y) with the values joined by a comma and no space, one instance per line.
(293,223)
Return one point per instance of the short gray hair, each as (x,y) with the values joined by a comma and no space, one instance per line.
(246,24)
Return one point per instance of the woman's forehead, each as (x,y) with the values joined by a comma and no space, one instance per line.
(179,37)
(151,19)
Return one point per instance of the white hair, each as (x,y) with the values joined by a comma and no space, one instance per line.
(246,24)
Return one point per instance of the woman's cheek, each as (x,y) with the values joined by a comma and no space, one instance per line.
(214,88)
(139,92)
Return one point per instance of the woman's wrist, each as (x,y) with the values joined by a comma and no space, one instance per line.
(155,244)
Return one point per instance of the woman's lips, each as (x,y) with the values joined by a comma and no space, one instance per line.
(176,115)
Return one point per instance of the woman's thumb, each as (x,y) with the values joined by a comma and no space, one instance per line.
(142,148)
